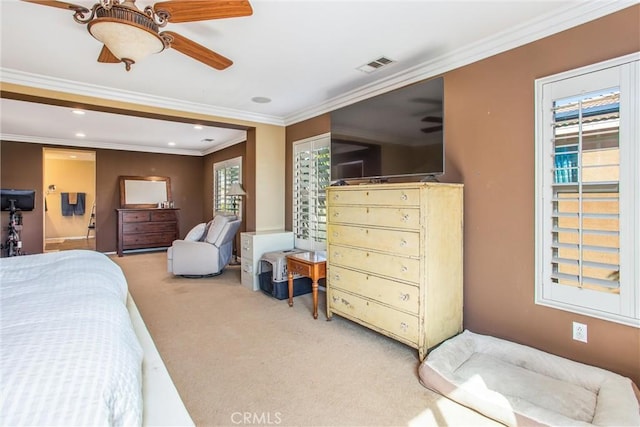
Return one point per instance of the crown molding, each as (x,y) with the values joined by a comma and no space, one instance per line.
(17,77)
(224,145)
(84,144)
(541,27)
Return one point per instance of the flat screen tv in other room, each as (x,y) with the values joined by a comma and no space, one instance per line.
(24,200)
(396,136)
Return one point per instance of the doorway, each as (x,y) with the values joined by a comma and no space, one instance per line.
(69,199)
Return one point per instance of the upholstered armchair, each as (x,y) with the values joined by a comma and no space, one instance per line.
(205,250)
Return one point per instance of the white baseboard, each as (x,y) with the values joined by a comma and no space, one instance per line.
(162,403)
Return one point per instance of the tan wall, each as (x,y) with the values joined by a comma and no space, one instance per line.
(490,148)
(269,193)
(68,176)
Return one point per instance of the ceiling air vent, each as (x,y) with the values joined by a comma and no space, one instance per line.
(374,65)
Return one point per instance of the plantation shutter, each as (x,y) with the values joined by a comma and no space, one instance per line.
(311,174)
(586,191)
(225,173)
(588,202)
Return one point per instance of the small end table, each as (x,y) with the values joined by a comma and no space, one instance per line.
(308,264)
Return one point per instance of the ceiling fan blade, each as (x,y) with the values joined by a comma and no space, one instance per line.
(432,119)
(197,52)
(60,4)
(431,129)
(177,11)
(107,56)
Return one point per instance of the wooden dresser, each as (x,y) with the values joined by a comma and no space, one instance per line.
(394,259)
(146,228)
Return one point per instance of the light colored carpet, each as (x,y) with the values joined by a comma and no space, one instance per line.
(239,357)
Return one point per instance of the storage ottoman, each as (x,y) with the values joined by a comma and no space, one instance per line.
(273,278)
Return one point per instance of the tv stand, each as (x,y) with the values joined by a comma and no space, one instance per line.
(429,178)
(378,180)
(13,245)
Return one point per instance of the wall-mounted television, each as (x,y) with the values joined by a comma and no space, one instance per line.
(24,200)
(398,135)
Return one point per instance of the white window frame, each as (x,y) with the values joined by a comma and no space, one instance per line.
(623,72)
(225,166)
(315,242)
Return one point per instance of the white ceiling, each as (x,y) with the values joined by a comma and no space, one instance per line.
(302,54)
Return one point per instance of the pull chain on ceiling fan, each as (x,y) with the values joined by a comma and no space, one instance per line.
(129,34)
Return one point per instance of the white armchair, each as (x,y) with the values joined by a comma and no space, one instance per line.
(204,251)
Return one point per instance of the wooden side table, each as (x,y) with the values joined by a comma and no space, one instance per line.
(308,264)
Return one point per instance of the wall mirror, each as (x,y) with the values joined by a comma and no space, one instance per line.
(144,191)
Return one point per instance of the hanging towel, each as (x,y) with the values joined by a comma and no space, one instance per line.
(67,209)
(73,198)
(78,208)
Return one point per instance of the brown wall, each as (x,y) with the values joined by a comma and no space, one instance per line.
(21,169)
(490,148)
(187,182)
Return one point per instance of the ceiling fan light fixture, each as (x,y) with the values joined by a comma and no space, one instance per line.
(128,42)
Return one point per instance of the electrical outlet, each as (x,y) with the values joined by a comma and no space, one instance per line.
(579,332)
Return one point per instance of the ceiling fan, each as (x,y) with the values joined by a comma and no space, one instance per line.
(432,119)
(129,34)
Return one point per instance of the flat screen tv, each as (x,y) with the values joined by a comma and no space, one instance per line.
(24,200)
(395,136)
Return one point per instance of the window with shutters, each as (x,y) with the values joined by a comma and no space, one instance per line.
(587,191)
(311,174)
(224,174)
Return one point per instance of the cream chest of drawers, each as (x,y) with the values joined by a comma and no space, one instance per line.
(394,259)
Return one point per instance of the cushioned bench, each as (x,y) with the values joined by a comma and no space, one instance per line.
(519,385)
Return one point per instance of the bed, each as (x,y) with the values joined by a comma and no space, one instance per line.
(68,352)
(519,385)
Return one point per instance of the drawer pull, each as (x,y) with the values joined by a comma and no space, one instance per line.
(403,243)
(403,268)
(404,297)
(405,217)
(336,234)
(336,277)
(404,326)
(337,254)
(404,196)
(336,214)
(336,196)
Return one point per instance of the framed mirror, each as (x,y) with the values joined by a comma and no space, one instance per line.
(144,191)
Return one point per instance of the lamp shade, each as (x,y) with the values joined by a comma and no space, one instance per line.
(124,40)
(236,190)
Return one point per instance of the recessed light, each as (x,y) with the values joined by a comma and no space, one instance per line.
(261,99)
(80,135)
(172,143)
(73,156)
(198,127)
(78,112)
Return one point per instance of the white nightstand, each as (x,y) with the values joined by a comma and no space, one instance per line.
(253,245)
